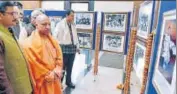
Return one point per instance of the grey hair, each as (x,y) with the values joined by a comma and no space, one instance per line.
(37,12)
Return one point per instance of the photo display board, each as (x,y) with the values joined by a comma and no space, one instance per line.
(113,43)
(144,19)
(115,22)
(84,20)
(114,31)
(139,59)
(85,40)
(85,25)
(165,72)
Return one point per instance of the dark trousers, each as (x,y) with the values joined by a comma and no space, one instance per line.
(68,60)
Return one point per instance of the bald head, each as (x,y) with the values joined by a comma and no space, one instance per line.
(43,24)
(173,30)
(41,18)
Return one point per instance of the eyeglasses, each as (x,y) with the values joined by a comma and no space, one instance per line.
(12,13)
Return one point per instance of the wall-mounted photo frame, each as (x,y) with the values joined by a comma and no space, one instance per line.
(115,22)
(54,20)
(84,20)
(113,43)
(139,59)
(144,19)
(164,78)
(85,40)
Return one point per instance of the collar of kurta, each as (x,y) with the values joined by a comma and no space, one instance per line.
(5,30)
(36,38)
(70,23)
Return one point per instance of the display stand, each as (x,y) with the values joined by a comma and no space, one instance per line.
(86,29)
(129,62)
(95,72)
(145,23)
(115,26)
(149,44)
(164,7)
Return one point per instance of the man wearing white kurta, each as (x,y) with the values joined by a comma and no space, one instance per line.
(66,34)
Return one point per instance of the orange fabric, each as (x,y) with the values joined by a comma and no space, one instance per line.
(43,55)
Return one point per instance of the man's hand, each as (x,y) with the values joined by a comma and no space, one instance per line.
(58,72)
(50,76)
(78,50)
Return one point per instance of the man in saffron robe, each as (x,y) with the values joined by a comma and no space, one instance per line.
(44,58)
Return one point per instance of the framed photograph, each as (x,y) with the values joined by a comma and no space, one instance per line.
(54,20)
(85,40)
(139,60)
(113,43)
(115,22)
(144,19)
(165,72)
(84,20)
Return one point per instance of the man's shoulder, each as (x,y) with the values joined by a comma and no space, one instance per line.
(28,25)
(29,29)
(62,21)
(60,24)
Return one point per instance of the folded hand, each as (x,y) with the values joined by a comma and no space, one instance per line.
(58,72)
(50,76)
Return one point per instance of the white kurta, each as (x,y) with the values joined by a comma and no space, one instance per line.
(23,34)
(62,33)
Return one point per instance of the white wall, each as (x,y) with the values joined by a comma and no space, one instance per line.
(112,6)
(53,5)
(79,6)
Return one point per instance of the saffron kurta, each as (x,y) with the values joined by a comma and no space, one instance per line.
(43,55)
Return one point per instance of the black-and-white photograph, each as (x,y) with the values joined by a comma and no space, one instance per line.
(112,42)
(84,20)
(143,23)
(115,22)
(139,60)
(85,40)
(144,19)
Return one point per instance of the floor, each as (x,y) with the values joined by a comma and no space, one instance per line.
(112,60)
(106,80)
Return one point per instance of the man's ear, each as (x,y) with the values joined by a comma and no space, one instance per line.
(1,16)
(35,24)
